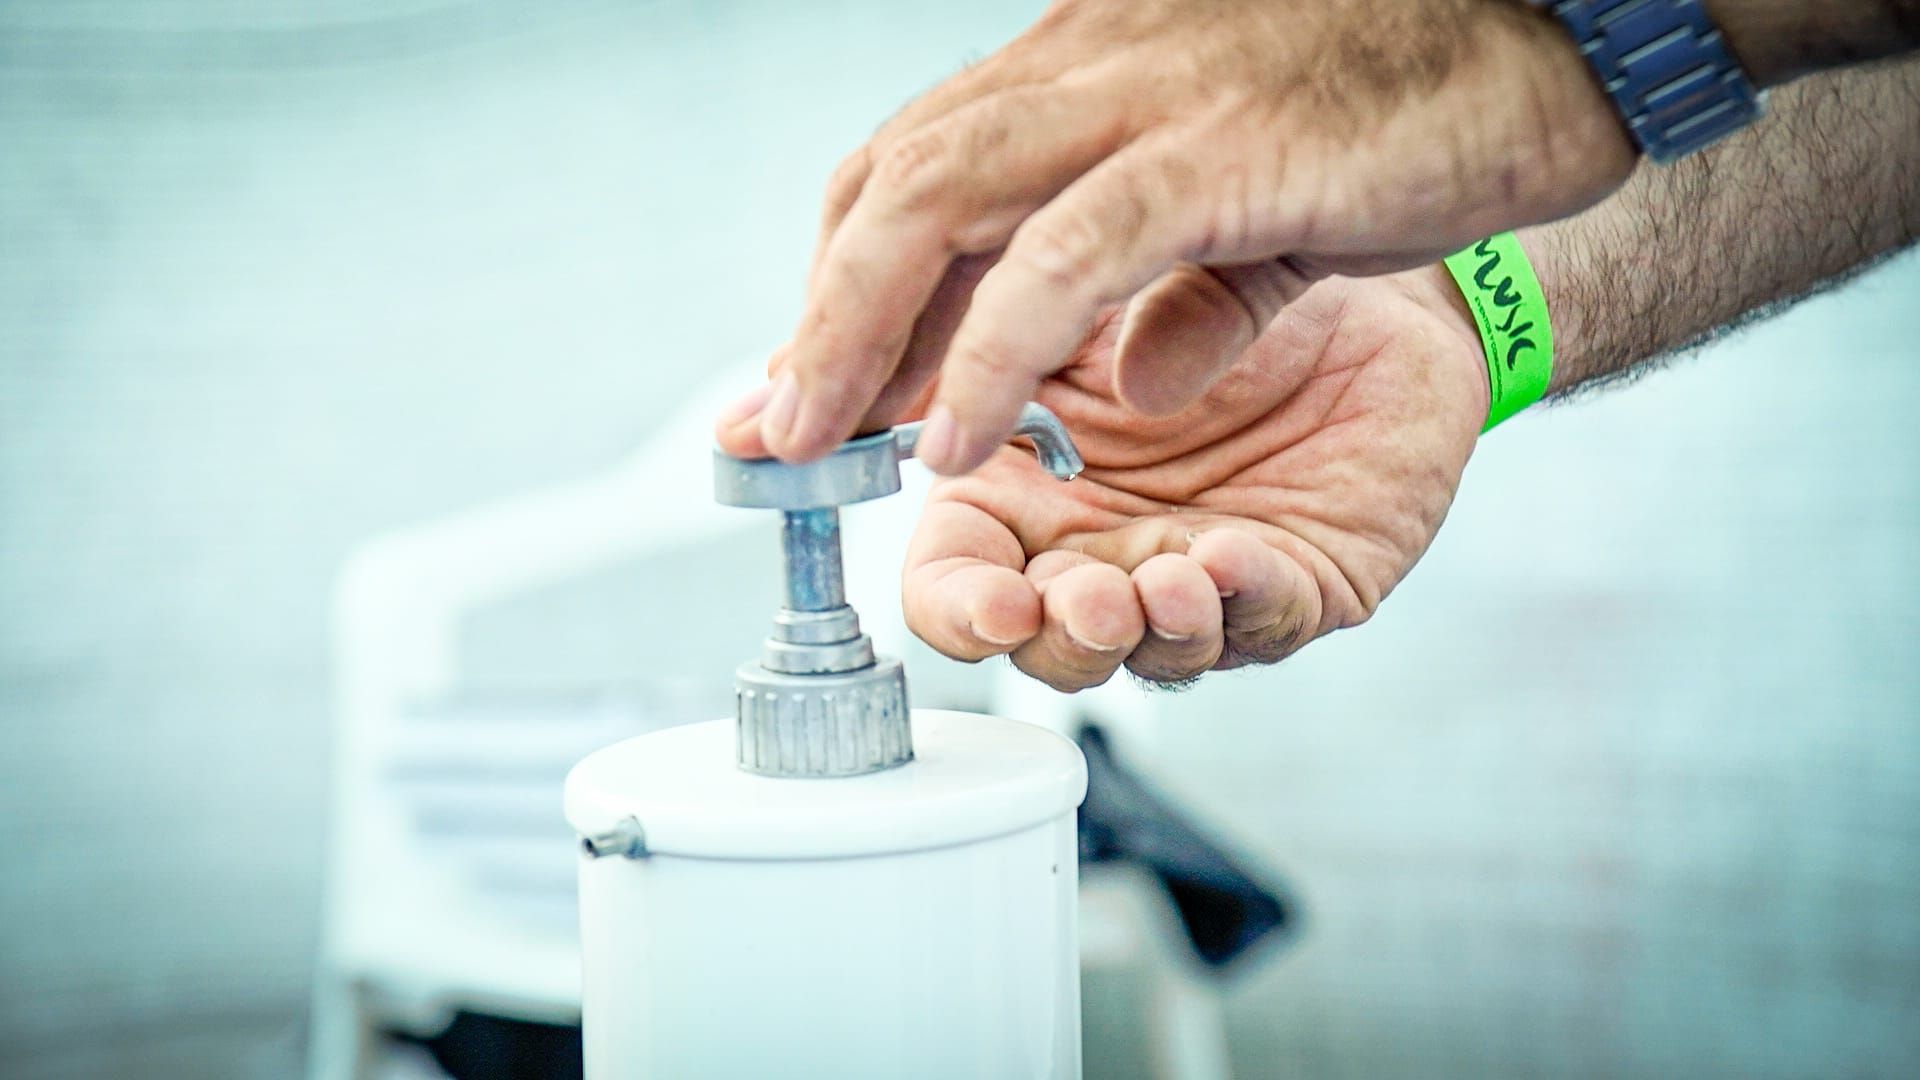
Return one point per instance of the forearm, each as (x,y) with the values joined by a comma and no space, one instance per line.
(1829,181)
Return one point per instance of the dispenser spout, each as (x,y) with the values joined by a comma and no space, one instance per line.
(1051,443)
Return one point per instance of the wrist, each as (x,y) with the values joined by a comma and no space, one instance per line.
(1506,308)
(1553,252)
(1762,37)
(1777,41)
(1667,67)
(1434,289)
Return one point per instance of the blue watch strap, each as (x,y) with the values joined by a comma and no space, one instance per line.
(1667,69)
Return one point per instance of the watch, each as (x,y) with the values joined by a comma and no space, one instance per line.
(1667,68)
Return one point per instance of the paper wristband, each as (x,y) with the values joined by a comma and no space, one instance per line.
(1511,311)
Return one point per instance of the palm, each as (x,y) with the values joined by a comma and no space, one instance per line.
(1337,442)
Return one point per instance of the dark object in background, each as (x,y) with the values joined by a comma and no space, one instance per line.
(478,1046)
(1225,910)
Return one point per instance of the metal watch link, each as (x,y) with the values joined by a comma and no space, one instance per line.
(1667,68)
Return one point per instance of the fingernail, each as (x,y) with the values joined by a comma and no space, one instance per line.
(778,361)
(1164,636)
(1091,646)
(749,403)
(989,638)
(938,440)
(1228,594)
(776,424)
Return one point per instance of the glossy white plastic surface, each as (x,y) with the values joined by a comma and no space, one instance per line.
(919,922)
(973,777)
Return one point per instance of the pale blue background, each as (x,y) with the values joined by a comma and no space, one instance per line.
(274,277)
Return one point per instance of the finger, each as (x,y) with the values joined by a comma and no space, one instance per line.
(1191,324)
(1115,229)
(1091,622)
(955,187)
(970,610)
(1183,610)
(850,176)
(843,189)
(1270,605)
(737,428)
(963,590)
(904,395)
(777,360)
(1053,562)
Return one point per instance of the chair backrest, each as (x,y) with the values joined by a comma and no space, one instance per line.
(450,877)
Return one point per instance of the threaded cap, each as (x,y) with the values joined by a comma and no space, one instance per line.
(839,724)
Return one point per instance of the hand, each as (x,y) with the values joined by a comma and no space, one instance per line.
(1212,157)
(1285,504)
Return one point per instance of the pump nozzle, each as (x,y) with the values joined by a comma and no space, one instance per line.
(819,702)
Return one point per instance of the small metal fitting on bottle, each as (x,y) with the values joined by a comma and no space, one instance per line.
(626,839)
(819,702)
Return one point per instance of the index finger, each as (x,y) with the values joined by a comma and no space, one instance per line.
(850,176)
(956,188)
(1118,226)
(964,590)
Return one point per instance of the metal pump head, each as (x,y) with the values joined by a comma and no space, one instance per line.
(819,702)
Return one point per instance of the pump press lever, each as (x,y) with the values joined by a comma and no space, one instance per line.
(818,702)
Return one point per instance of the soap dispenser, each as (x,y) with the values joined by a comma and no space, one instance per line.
(829,883)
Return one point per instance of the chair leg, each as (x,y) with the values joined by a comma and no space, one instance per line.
(340,1037)
(1187,1033)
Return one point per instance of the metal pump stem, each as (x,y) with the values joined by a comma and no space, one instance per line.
(818,702)
(814,573)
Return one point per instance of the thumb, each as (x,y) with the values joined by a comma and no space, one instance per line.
(1190,325)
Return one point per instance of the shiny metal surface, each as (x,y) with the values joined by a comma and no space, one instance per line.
(819,702)
(1051,443)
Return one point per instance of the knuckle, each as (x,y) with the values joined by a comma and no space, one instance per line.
(916,169)
(1071,244)
(1229,228)
(848,177)
(1061,249)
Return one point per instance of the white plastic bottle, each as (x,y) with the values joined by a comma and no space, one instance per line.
(918,921)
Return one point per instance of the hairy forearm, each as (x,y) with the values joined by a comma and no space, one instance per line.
(1827,183)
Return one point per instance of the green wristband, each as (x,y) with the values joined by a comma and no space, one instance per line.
(1511,311)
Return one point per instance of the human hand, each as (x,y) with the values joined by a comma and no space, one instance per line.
(1214,158)
(1285,504)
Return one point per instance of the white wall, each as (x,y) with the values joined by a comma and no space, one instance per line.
(274,278)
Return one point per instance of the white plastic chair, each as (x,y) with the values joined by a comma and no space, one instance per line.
(450,878)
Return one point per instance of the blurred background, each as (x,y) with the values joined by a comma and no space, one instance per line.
(1625,780)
